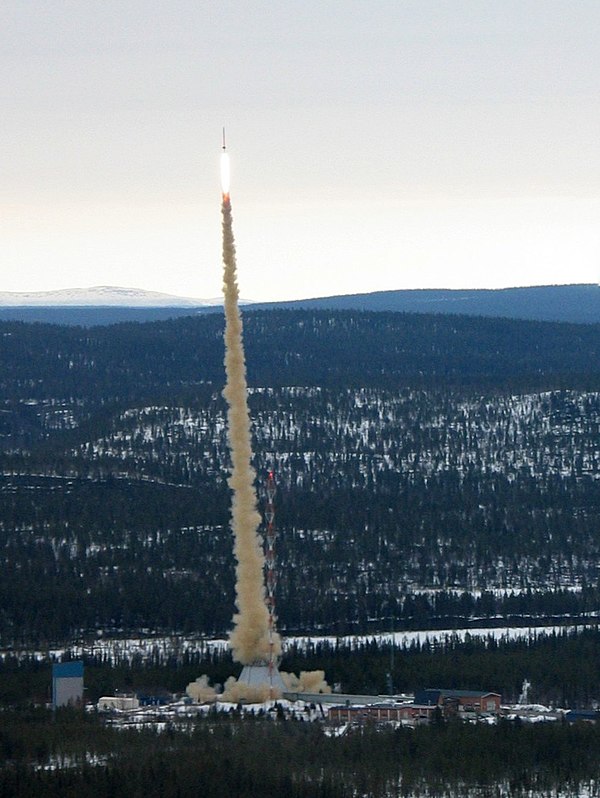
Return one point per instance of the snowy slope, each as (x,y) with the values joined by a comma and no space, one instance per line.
(100,295)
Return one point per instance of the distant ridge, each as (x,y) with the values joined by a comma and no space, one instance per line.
(101,305)
(579,304)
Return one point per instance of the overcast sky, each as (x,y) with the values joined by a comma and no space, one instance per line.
(374,145)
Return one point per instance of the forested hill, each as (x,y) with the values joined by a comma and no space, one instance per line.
(301,347)
(430,469)
(570,303)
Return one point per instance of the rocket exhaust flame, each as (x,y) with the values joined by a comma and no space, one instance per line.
(250,639)
(225,169)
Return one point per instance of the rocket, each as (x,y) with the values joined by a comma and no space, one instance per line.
(225,168)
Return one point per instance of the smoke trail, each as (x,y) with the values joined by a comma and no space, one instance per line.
(250,639)
(253,639)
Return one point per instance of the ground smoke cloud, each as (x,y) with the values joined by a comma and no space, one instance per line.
(307,682)
(201,691)
(236,692)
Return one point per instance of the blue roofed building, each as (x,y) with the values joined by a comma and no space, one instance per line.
(67,684)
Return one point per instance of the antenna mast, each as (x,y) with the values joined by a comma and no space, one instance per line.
(271,580)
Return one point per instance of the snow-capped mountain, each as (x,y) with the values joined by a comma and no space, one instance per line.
(100,295)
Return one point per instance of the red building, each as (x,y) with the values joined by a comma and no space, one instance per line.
(456,702)
(451,703)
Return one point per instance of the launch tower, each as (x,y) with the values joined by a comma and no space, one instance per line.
(271,580)
(260,673)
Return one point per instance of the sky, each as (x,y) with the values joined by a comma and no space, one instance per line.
(374,145)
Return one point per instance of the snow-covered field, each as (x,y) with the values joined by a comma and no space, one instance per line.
(162,647)
(433,636)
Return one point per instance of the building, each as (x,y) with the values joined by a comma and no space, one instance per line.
(154,697)
(67,684)
(121,702)
(446,703)
(458,702)
(408,714)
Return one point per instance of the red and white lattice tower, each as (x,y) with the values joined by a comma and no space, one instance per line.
(271,575)
(265,672)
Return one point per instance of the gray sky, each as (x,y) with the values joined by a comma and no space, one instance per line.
(374,145)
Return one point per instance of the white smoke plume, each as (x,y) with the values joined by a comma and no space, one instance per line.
(250,640)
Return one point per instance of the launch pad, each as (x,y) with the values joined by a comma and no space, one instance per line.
(262,674)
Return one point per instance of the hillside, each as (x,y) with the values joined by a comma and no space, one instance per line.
(568,303)
(437,470)
(316,348)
